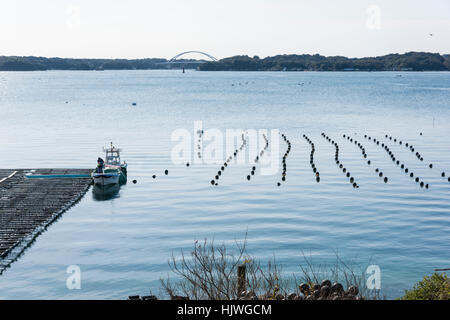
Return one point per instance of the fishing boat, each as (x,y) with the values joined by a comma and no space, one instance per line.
(111,171)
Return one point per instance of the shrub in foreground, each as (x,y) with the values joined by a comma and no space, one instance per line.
(434,287)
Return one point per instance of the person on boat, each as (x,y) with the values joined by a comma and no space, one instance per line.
(100,164)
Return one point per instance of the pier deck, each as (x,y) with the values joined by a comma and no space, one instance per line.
(28,205)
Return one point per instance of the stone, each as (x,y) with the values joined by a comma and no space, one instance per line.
(304,287)
(353,290)
(316,294)
(326,283)
(325,291)
(337,287)
(292,296)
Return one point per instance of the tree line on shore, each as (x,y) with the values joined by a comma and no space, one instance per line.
(411,61)
(16,63)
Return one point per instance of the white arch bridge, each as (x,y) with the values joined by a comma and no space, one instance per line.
(174,59)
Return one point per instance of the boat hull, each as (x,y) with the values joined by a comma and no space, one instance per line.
(104,179)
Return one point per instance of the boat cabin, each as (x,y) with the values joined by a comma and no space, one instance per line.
(112,156)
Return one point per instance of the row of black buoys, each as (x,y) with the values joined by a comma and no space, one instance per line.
(311,158)
(363,151)
(261,153)
(225,164)
(407,145)
(199,144)
(396,161)
(241,84)
(166,172)
(443,176)
(418,155)
(283,161)
(336,158)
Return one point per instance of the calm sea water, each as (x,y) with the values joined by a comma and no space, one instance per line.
(122,245)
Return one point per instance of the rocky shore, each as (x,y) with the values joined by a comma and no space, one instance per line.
(324,291)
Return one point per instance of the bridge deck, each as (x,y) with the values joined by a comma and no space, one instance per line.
(27,206)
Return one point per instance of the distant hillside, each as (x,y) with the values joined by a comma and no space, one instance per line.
(15,63)
(412,61)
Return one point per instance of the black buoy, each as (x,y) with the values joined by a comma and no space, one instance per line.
(421,184)
(217,177)
(417,179)
(318,179)
(212,182)
(248,177)
(443,174)
(187,164)
(134,181)
(385,179)
(166,172)
(153,176)
(278,184)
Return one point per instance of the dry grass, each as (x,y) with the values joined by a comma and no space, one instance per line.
(209,272)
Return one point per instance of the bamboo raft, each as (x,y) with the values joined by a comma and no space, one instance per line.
(30,200)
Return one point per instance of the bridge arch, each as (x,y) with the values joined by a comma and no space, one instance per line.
(186,52)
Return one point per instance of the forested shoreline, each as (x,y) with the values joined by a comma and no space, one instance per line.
(411,61)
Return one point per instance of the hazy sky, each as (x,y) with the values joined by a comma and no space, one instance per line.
(146,28)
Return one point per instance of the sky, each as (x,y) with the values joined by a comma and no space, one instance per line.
(146,28)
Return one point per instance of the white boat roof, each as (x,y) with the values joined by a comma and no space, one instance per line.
(113,149)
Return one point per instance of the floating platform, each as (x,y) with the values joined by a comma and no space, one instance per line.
(30,200)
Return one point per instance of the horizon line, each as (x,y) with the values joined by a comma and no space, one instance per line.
(236,55)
